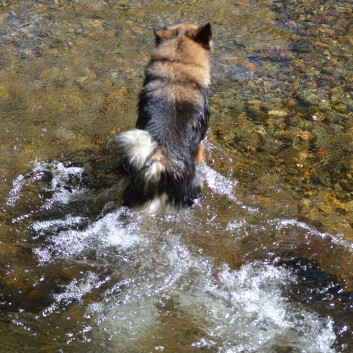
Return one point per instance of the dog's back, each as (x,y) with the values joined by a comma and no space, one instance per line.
(172,122)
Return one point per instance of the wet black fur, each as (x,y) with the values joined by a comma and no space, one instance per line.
(178,127)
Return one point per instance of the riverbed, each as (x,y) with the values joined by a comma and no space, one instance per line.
(262,262)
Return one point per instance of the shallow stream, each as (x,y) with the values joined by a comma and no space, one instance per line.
(262,262)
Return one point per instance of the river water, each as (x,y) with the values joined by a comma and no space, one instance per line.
(262,262)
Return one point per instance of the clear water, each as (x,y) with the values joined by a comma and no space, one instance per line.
(121,281)
(261,263)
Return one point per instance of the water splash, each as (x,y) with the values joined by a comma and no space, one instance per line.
(337,239)
(64,240)
(60,180)
(221,185)
(153,284)
(241,310)
(74,291)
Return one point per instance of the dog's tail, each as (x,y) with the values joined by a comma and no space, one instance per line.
(140,155)
(138,151)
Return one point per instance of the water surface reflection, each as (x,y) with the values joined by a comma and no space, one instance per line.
(261,263)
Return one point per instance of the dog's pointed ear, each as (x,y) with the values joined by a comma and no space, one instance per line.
(162,34)
(204,36)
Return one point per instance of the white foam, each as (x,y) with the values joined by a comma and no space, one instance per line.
(61,176)
(14,194)
(337,239)
(238,310)
(221,185)
(68,221)
(230,310)
(217,182)
(74,291)
(105,232)
(247,306)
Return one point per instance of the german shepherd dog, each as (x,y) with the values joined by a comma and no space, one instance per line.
(173,114)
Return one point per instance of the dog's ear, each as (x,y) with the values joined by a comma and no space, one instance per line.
(204,36)
(163,34)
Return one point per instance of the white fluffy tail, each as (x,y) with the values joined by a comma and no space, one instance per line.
(133,147)
(156,186)
(137,149)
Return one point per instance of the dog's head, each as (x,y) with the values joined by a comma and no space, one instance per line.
(201,35)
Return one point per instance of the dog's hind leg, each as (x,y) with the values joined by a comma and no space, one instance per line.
(199,153)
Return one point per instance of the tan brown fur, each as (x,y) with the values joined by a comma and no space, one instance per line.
(182,60)
(199,153)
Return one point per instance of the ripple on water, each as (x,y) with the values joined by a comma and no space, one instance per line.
(157,291)
(57,179)
(64,241)
(224,310)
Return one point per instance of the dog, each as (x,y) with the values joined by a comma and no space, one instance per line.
(161,153)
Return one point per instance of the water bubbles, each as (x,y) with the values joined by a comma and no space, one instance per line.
(62,182)
(15,191)
(217,182)
(143,284)
(74,291)
(64,240)
(236,310)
